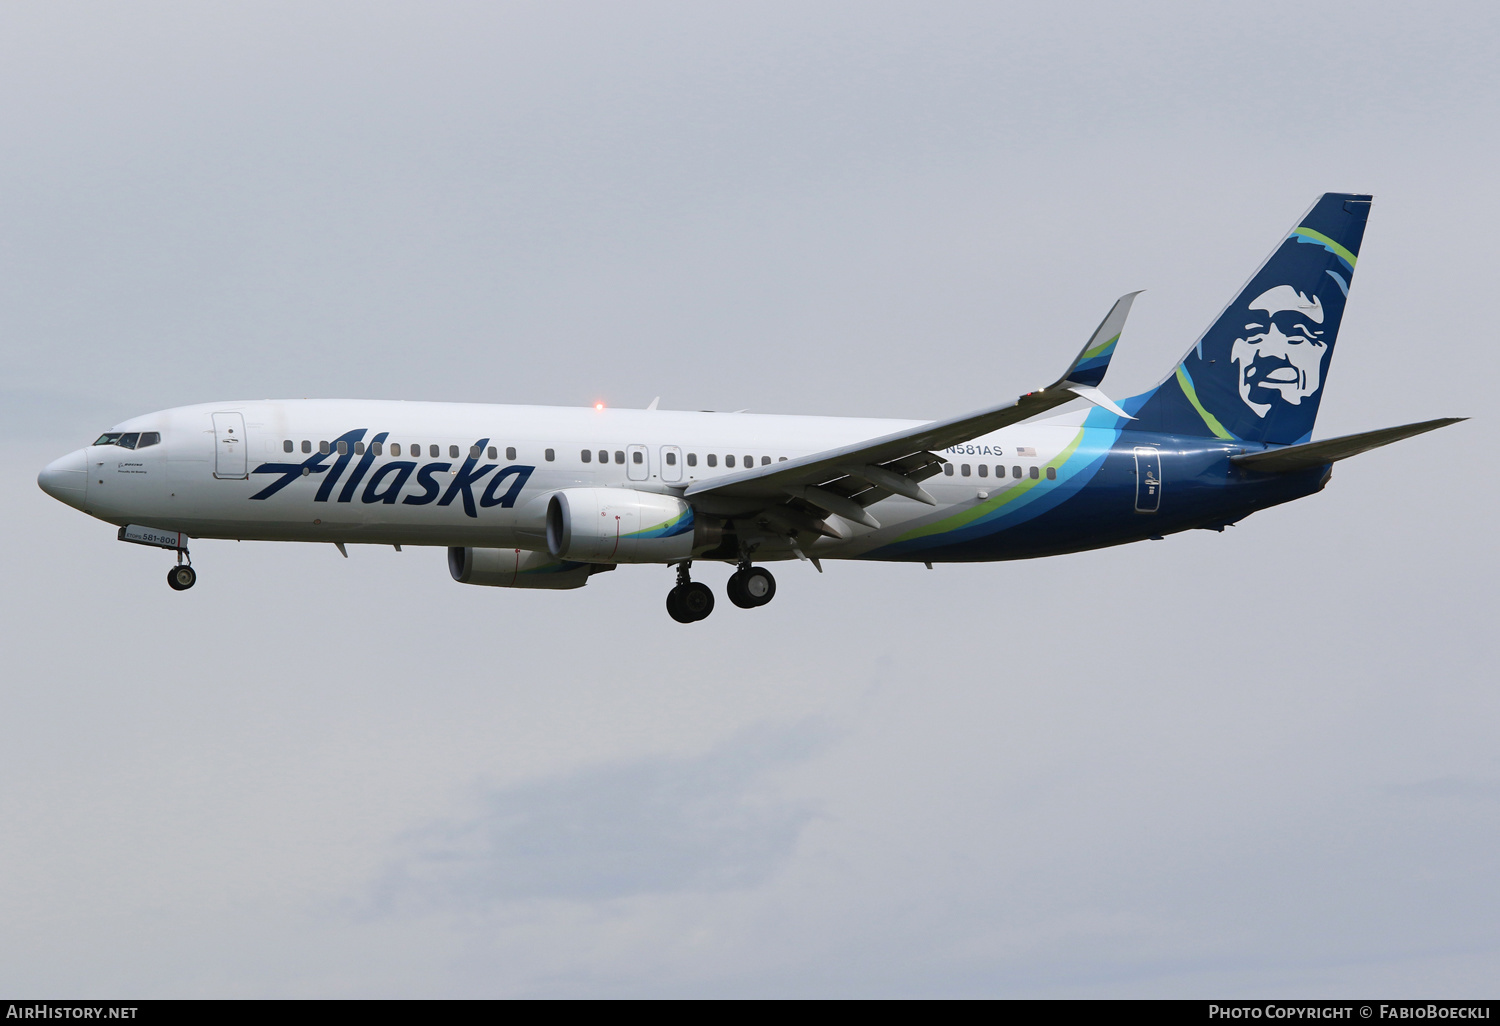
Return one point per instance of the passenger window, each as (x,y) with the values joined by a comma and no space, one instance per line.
(620,456)
(999,470)
(549,455)
(587,456)
(287,446)
(148,438)
(490,452)
(964,470)
(984,471)
(692,459)
(325,448)
(359,448)
(749,461)
(473,452)
(453,452)
(510,452)
(765,461)
(1051,473)
(377,448)
(948,469)
(671,459)
(781,459)
(1015,471)
(729,461)
(306,445)
(713,460)
(432,451)
(1035,473)
(637,458)
(343,448)
(395,448)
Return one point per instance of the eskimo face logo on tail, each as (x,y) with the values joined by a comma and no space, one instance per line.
(1281,360)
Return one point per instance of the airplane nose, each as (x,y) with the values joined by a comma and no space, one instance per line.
(65,479)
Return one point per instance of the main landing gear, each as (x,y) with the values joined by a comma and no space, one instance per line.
(690,600)
(750,586)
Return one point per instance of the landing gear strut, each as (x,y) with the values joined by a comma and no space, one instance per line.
(690,600)
(750,586)
(182,576)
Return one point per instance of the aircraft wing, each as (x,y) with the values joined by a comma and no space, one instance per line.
(1318,454)
(799,493)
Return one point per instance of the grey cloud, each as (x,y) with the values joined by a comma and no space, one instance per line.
(1470,789)
(58,415)
(645,826)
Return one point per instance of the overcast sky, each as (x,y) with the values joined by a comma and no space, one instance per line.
(1255,763)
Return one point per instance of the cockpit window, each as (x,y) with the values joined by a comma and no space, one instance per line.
(130,439)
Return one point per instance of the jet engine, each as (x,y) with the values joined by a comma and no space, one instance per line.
(621,525)
(517,568)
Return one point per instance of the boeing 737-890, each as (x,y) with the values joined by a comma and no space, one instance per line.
(546,497)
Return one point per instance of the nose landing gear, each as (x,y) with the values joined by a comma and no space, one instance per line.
(182,576)
(751,586)
(690,600)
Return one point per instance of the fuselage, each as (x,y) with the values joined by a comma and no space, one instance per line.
(447,474)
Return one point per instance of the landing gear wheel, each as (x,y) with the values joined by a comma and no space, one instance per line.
(690,602)
(674,606)
(753,586)
(181,578)
(735,589)
(697,600)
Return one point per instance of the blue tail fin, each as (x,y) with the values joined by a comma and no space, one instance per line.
(1258,372)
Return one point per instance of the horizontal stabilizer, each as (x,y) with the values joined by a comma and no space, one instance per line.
(1317,454)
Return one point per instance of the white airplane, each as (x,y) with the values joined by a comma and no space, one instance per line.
(546,497)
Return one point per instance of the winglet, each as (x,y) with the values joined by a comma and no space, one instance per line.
(1088,369)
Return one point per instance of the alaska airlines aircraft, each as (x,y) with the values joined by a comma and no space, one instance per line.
(546,497)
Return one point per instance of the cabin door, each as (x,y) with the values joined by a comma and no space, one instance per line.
(229,447)
(637,464)
(671,463)
(1147,479)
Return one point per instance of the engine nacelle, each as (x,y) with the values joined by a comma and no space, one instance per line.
(621,525)
(516,568)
